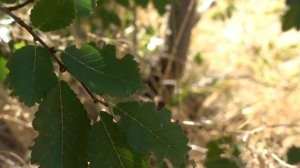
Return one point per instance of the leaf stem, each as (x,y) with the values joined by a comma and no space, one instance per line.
(52,50)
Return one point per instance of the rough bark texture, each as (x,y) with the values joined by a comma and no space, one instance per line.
(171,64)
(181,23)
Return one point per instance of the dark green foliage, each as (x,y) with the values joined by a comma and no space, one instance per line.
(108,17)
(108,147)
(9,1)
(101,71)
(291,18)
(125,3)
(142,3)
(214,158)
(293,155)
(221,162)
(50,15)
(141,136)
(224,13)
(31,74)
(63,131)
(150,131)
(84,7)
(160,5)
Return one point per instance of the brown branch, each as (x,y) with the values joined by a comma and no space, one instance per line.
(95,99)
(21,5)
(178,38)
(33,34)
(52,50)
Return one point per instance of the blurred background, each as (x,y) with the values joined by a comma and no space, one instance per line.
(228,69)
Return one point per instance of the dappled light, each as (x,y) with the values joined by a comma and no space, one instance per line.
(197,83)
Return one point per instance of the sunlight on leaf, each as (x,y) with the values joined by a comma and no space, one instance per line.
(3,69)
(101,71)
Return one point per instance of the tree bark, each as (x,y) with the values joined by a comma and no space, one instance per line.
(171,64)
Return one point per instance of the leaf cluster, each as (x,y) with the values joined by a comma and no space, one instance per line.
(67,138)
(216,150)
(291,19)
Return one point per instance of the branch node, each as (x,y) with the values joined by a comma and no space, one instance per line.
(52,50)
(62,69)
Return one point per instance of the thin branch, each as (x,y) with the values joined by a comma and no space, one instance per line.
(178,38)
(14,155)
(52,50)
(95,99)
(21,5)
(198,148)
(263,127)
(33,34)
(281,162)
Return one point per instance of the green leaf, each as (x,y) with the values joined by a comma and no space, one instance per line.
(48,15)
(221,162)
(101,71)
(293,155)
(213,156)
(142,3)
(110,17)
(107,16)
(83,7)
(150,131)
(198,58)
(108,147)
(3,69)
(125,3)
(31,74)
(160,5)
(9,1)
(292,17)
(63,131)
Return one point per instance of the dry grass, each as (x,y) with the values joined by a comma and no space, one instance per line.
(256,97)
(247,87)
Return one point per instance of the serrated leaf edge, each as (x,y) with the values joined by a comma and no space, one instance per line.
(151,132)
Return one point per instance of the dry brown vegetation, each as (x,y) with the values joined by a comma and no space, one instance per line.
(246,87)
(255,93)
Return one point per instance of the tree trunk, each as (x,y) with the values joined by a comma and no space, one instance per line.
(171,64)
